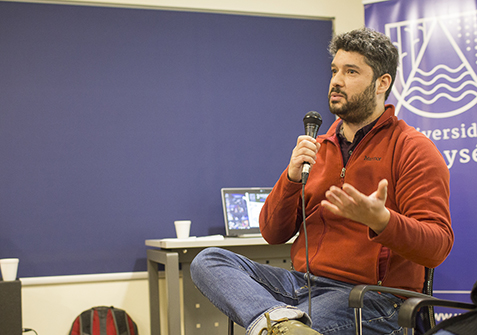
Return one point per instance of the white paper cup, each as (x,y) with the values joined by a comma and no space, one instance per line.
(9,268)
(182,228)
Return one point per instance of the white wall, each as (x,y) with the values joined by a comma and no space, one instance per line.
(50,304)
(51,308)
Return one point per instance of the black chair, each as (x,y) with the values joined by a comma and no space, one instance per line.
(425,318)
(408,313)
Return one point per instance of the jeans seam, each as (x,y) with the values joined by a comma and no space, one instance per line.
(270,287)
(382,317)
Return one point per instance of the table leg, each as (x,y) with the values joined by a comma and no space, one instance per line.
(173,293)
(170,260)
(153,280)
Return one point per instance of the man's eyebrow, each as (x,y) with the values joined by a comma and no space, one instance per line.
(353,66)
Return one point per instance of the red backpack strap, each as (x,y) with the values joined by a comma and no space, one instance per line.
(76,327)
(95,321)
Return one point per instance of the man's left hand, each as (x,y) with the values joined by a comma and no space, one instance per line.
(352,204)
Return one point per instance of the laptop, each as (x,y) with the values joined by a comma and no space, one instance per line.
(242,209)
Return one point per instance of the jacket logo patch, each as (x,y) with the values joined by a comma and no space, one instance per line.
(366,158)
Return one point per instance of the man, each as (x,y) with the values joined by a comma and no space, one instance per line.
(376,204)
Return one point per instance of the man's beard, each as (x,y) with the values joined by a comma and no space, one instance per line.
(358,108)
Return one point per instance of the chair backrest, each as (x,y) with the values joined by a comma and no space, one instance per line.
(426,318)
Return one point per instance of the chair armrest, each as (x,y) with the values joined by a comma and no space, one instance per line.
(356,295)
(410,308)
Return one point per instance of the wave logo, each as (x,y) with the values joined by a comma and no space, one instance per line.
(436,77)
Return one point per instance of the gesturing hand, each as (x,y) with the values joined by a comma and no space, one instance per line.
(368,210)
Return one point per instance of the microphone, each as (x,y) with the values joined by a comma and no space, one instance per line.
(312,122)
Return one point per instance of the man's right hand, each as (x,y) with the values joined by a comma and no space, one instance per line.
(305,151)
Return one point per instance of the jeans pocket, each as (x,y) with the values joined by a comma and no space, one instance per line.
(381,306)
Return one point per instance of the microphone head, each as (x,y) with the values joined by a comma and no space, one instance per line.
(312,117)
(312,122)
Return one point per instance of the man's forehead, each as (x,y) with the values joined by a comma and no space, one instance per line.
(349,58)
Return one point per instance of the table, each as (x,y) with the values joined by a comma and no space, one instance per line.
(200,316)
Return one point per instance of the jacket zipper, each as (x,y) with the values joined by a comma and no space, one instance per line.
(343,170)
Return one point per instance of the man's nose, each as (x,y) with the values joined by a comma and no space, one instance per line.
(337,80)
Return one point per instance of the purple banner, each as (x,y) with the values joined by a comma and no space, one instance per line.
(436,92)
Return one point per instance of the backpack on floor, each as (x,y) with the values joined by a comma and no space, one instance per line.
(103,320)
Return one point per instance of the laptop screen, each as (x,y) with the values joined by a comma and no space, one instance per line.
(242,209)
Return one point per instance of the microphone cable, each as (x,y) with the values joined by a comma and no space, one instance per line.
(306,246)
(312,122)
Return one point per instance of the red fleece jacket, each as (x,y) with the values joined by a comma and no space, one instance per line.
(419,232)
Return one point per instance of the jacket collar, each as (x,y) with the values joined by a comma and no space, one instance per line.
(387,116)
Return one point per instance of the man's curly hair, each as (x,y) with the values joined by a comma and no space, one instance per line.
(377,49)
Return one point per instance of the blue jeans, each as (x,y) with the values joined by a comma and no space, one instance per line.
(244,290)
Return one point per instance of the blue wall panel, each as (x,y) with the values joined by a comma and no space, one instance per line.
(115,122)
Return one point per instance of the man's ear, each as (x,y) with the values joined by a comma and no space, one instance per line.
(383,83)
